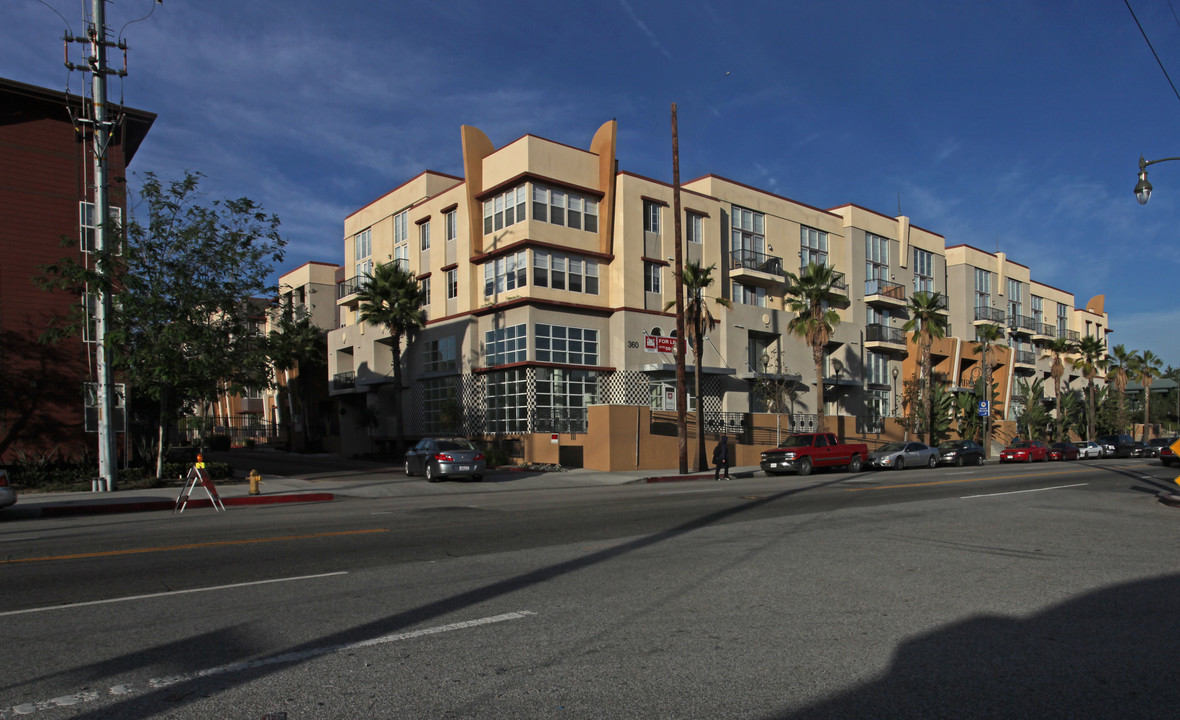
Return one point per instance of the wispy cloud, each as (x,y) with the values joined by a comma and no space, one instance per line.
(644,29)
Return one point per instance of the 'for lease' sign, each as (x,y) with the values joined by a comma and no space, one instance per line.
(659,344)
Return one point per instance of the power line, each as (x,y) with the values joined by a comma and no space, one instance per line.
(1153,52)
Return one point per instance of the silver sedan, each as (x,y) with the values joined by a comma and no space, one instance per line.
(439,458)
(898,455)
(1088,449)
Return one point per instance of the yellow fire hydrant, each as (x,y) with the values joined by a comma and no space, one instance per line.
(255,480)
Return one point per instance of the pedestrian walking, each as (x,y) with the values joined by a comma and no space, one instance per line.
(721,458)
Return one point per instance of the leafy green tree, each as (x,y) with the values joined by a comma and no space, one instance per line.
(698,321)
(1120,363)
(392,298)
(988,336)
(810,297)
(296,344)
(1091,364)
(927,323)
(182,331)
(1147,369)
(1057,350)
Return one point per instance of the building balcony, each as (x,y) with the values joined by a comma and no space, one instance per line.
(883,292)
(757,268)
(993,316)
(883,337)
(839,282)
(1023,324)
(347,290)
(1044,332)
(344,380)
(1024,358)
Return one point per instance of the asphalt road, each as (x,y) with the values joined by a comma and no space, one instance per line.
(1004,591)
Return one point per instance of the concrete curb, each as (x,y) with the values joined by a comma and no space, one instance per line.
(680,478)
(101,508)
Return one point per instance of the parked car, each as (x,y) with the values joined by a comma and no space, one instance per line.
(1154,446)
(801,452)
(898,455)
(1088,449)
(1025,451)
(439,458)
(7,493)
(1139,449)
(960,452)
(1167,456)
(1063,451)
(1116,446)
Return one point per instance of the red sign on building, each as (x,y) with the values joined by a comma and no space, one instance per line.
(659,344)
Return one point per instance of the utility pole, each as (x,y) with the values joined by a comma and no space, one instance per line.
(102,131)
(681,390)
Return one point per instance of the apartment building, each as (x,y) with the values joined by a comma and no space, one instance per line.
(47,196)
(548,271)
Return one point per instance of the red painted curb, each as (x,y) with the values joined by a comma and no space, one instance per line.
(149,505)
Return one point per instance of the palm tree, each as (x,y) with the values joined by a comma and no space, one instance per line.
(698,321)
(987,336)
(1120,363)
(1091,364)
(927,323)
(809,295)
(1148,368)
(1057,349)
(392,298)
(297,344)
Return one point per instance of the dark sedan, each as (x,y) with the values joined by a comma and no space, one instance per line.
(439,458)
(1063,451)
(960,453)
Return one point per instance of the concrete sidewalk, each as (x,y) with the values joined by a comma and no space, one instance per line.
(324,478)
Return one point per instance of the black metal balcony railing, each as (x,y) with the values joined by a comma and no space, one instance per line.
(350,286)
(1026,357)
(1074,336)
(884,333)
(988,314)
(344,380)
(753,260)
(839,283)
(1022,322)
(884,288)
(1047,330)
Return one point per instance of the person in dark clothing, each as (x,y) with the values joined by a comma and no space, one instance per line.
(721,458)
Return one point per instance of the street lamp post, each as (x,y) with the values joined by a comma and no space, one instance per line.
(1143,187)
(895,373)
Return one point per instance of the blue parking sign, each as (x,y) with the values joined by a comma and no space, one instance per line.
(984,408)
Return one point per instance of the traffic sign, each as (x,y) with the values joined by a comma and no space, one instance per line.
(984,408)
(1176,449)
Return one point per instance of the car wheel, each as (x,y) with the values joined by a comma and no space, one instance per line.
(899,463)
(431,473)
(805,466)
(932,462)
(854,464)
(408,473)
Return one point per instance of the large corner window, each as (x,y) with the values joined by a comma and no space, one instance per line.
(438,355)
(507,208)
(505,273)
(506,345)
(507,401)
(565,272)
(566,345)
(563,398)
(559,206)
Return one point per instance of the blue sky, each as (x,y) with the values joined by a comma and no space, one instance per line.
(1008,123)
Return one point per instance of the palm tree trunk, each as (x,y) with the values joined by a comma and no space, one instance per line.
(817,354)
(1057,398)
(1146,408)
(397,393)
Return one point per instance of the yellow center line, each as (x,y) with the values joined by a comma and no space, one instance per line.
(192,546)
(970,480)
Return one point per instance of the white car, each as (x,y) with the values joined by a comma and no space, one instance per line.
(1088,449)
(7,494)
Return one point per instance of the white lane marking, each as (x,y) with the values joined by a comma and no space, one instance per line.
(166,594)
(294,657)
(1017,492)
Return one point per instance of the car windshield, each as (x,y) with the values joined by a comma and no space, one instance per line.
(455,445)
(952,445)
(892,447)
(1021,444)
(797,441)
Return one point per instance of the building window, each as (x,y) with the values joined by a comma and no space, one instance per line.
(651,277)
(424,297)
(505,273)
(651,216)
(362,249)
(558,206)
(563,398)
(877,372)
(503,346)
(749,294)
(876,257)
(813,246)
(695,227)
(505,209)
(748,231)
(401,239)
(1015,298)
(507,398)
(424,235)
(663,396)
(565,272)
(877,407)
(451,221)
(566,345)
(923,271)
(983,288)
(439,355)
(452,283)
(441,412)
(1062,320)
(88,226)
(1038,311)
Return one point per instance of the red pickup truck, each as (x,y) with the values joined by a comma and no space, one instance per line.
(800,453)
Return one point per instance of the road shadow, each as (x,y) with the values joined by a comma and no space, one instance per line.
(1106,654)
